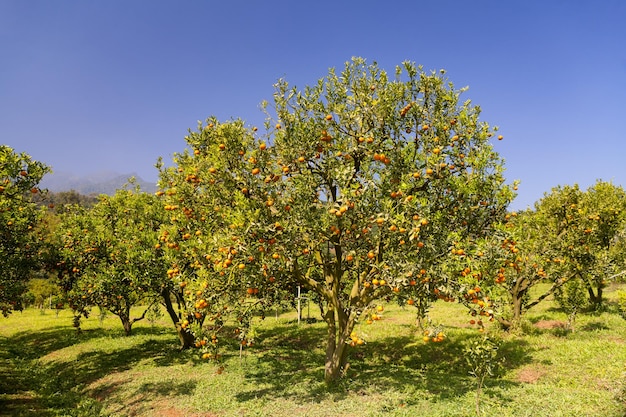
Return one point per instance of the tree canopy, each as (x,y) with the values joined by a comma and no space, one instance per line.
(357,191)
(19,179)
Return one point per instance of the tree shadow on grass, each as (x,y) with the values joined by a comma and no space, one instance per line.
(293,368)
(59,383)
(294,358)
(141,399)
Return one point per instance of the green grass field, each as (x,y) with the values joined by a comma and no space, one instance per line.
(48,369)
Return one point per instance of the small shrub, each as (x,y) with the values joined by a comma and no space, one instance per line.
(482,357)
(573,299)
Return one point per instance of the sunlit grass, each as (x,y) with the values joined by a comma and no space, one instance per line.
(547,370)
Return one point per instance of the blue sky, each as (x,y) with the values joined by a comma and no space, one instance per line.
(89,86)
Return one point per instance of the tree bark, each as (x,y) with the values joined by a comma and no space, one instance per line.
(128,326)
(595,297)
(186,338)
(127,322)
(336,346)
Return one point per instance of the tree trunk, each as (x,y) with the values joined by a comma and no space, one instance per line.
(517,306)
(340,326)
(595,297)
(186,338)
(126,323)
(123,312)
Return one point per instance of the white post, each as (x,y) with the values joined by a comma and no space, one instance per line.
(299,308)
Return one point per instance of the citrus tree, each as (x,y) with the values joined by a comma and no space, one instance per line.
(357,191)
(506,265)
(108,258)
(19,179)
(585,229)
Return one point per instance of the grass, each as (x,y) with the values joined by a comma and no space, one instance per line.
(50,370)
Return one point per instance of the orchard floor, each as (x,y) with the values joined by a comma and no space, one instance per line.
(49,370)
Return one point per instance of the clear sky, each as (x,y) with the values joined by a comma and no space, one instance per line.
(88,86)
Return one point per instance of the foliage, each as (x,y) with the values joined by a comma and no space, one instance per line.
(357,192)
(43,290)
(571,297)
(586,230)
(19,179)
(108,256)
(57,200)
(508,264)
(482,358)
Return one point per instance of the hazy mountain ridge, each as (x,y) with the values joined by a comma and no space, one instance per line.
(96,183)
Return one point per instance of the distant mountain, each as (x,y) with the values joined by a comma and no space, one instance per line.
(96,183)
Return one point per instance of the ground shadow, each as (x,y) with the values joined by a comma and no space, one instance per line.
(395,362)
(58,384)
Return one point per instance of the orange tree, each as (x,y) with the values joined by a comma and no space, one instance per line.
(585,229)
(504,267)
(19,179)
(107,255)
(357,191)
